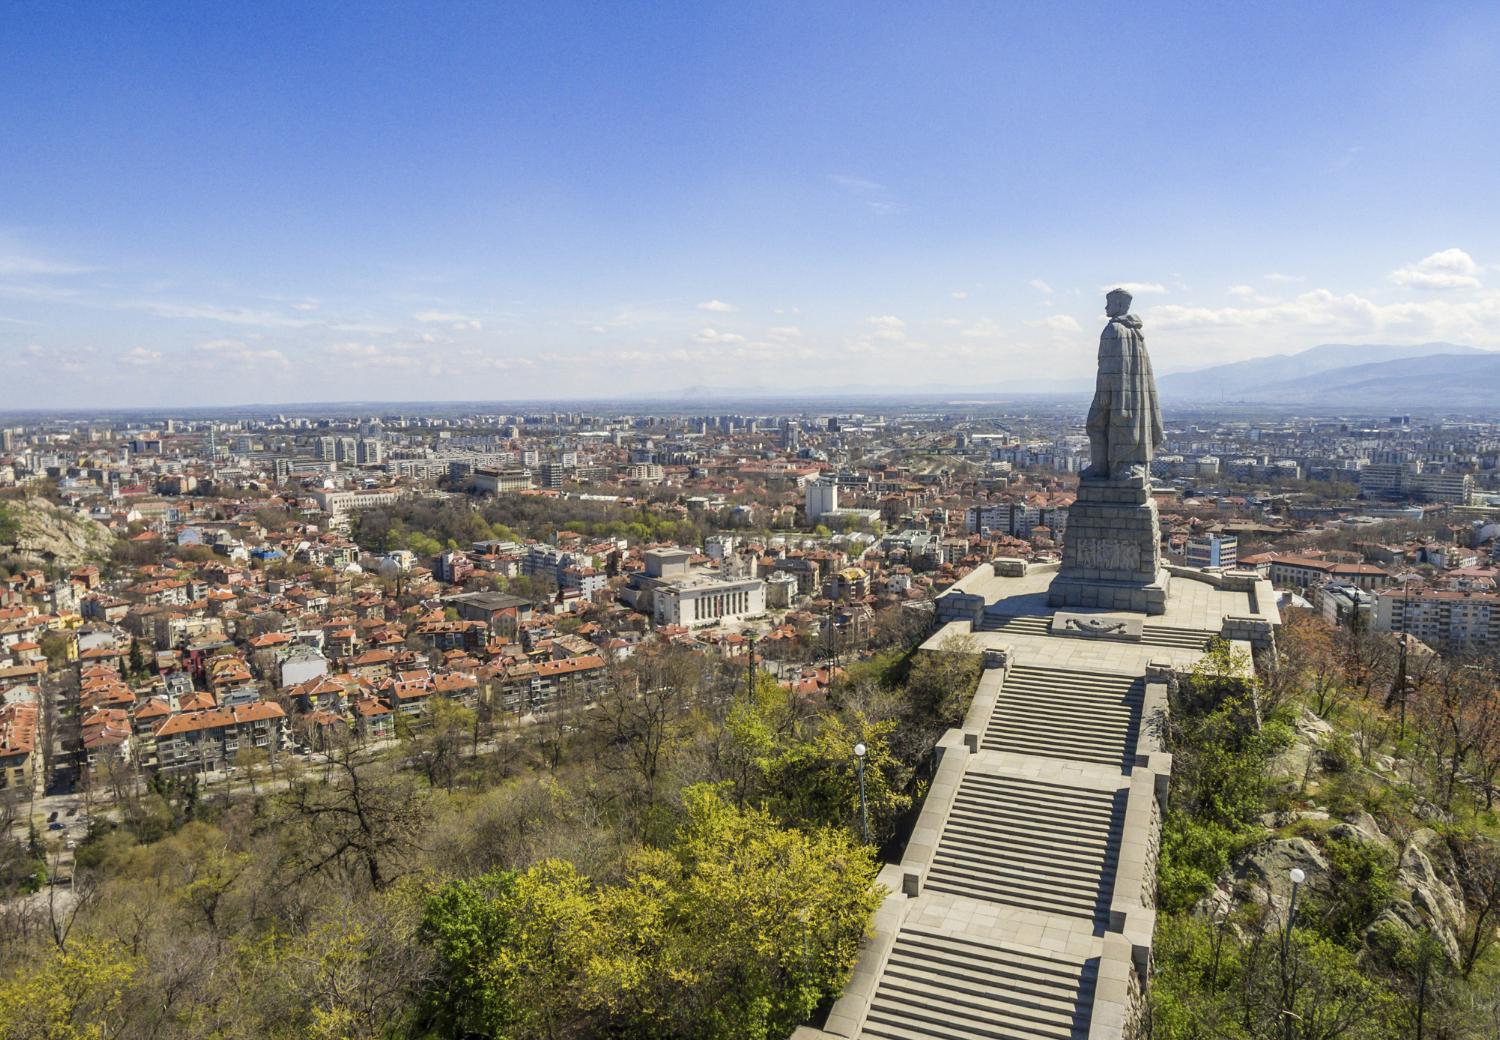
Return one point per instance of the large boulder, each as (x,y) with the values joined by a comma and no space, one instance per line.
(1360,826)
(1262,873)
(1426,872)
(1428,897)
(1295,760)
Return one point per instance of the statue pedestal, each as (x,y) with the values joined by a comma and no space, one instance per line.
(1112,550)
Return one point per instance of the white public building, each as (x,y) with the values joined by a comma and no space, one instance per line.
(708,601)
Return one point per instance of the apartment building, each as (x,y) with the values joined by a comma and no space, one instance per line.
(1451,619)
(209,739)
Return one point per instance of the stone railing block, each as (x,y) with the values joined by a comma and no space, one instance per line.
(1153,734)
(934,816)
(991,682)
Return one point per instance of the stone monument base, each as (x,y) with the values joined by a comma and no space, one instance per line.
(1112,549)
(1149,598)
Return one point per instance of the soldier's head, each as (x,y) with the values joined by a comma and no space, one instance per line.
(1117,303)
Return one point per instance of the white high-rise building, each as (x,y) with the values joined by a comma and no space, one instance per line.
(822,497)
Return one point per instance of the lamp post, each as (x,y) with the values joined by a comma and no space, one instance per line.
(864,812)
(1298,876)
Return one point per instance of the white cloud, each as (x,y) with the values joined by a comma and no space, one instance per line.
(782,333)
(1250,294)
(213,312)
(458,321)
(887,327)
(985,329)
(37,291)
(1276,276)
(17,259)
(1323,313)
(1447,269)
(959,295)
(141,357)
(236,352)
(1040,286)
(717,306)
(872,194)
(708,334)
(372,356)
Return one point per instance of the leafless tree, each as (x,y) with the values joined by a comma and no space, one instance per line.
(364,820)
(641,713)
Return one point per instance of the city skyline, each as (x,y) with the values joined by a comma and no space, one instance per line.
(296,206)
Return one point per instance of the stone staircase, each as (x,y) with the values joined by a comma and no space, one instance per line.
(1020,624)
(940,987)
(1077,716)
(1041,625)
(1171,635)
(1027,843)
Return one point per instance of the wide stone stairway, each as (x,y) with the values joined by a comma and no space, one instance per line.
(1041,624)
(940,986)
(1078,716)
(1027,843)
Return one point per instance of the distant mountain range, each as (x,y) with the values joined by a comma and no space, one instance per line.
(1358,377)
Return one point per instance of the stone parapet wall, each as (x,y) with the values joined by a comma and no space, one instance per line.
(952,764)
(1119,1008)
(982,706)
(1132,909)
(958,606)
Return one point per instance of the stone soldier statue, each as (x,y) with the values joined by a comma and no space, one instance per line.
(1124,422)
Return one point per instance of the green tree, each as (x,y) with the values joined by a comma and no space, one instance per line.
(469,924)
(815,782)
(73,994)
(740,929)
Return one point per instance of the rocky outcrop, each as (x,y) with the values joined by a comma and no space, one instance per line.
(1261,875)
(1425,876)
(1360,827)
(1295,761)
(48,533)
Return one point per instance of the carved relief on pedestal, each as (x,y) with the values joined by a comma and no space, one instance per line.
(1106,554)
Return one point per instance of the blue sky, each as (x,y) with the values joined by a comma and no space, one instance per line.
(264,203)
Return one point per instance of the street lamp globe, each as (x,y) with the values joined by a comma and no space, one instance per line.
(1298,876)
(859,750)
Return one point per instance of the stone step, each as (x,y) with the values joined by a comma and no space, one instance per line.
(940,987)
(1004,843)
(1072,815)
(1004,834)
(1151,635)
(1028,843)
(1064,714)
(1075,815)
(938,963)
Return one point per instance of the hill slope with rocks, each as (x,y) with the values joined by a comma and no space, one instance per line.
(34,531)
